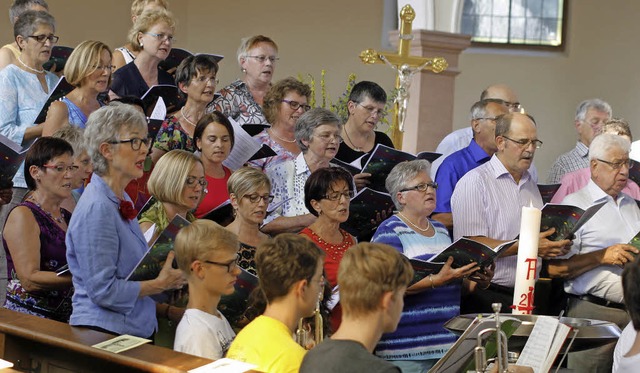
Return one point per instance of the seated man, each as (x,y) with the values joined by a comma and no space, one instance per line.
(626,356)
(593,266)
(290,271)
(590,117)
(483,123)
(207,254)
(487,202)
(576,180)
(372,280)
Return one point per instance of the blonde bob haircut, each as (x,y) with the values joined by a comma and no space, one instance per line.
(137,6)
(167,180)
(197,240)
(84,61)
(248,43)
(368,271)
(247,180)
(146,21)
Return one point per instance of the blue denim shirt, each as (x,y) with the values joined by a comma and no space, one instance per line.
(102,250)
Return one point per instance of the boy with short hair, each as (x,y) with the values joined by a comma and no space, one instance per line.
(290,272)
(207,253)
(372,280)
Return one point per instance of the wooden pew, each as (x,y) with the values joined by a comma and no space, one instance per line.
(48,346)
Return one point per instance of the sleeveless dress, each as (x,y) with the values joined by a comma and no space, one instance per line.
(76,116)
(52,304)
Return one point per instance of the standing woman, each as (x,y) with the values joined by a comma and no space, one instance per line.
(214,140)
(242,100)
(151,36)
(89,70)
(285,102)
(24,88)
(327,195)
(34,236)
(366,104)
(104,240)
(196,80)
(125,54)
(250,194)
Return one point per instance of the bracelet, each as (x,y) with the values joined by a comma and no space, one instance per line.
(431,279)
(166,312)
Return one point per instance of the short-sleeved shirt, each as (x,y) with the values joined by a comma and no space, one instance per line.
(173,136)
(236,102)
(203,334)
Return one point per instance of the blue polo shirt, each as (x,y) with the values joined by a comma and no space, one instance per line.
(452,169)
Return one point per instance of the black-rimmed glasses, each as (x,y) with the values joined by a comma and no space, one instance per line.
(335,196)
(421,187)
(41,38)
(295,105)
(136,142)
(618,165)
(255,198)
(230,266)
(524,143)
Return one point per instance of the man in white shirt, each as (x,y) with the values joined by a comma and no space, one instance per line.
(487,202)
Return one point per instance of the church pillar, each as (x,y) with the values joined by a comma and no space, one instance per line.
(430,108)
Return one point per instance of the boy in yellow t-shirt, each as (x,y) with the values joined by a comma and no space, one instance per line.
(290,271)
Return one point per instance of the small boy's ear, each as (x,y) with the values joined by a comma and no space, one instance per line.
(386,301)
(196,269)
(300,287)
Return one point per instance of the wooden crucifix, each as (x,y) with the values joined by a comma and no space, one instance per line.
(406,67)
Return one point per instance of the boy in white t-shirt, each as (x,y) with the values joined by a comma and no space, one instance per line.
(207,254)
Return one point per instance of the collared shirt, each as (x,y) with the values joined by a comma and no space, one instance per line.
(236,101)
(572,160)
(21,99)
(456,140)
(576,180)
(618,221)
(452,169)
(102,250)
(287,184)
(488,202)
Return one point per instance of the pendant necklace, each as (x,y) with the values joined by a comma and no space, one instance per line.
(30,68)
(418,228)
(280,138)
(357,148)
(59,220)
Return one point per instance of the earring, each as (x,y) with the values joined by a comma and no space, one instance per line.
(244,71)
(141,45)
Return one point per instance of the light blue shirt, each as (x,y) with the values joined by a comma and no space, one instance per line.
(102,250)
(21,99)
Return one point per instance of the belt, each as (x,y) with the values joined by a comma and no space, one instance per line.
(599,301)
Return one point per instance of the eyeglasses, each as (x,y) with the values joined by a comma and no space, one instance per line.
(493,119)
(373,111)
(524,143)
(421,187)
(335,196)
(136,142)
(41,38)
(161,37)
(230,266)
(255,198)
(262,59)
(204,79)
(513,106)
(193,181)
(618,165)
(295,105)
(60,168)
(108,68)
(327,138)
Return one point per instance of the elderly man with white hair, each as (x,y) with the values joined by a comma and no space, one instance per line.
(600,249)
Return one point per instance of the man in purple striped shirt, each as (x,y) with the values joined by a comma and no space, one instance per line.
(487,202)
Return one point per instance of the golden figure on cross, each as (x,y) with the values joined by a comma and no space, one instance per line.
(406,67)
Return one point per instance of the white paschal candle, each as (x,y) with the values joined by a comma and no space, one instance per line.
(527,260)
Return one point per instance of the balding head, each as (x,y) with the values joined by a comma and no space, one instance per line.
(504,93)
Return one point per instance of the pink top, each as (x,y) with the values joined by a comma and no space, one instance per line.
(576,180)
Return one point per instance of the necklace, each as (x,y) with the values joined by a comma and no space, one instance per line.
(59,220)
(185,117)
(357,148)
(334,251)
(415,226)
(280,138)
(30,68)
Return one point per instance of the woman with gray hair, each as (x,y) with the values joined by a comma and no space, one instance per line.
(104,240)
(434,299)
(242,100)
(24,88)
(318,135)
